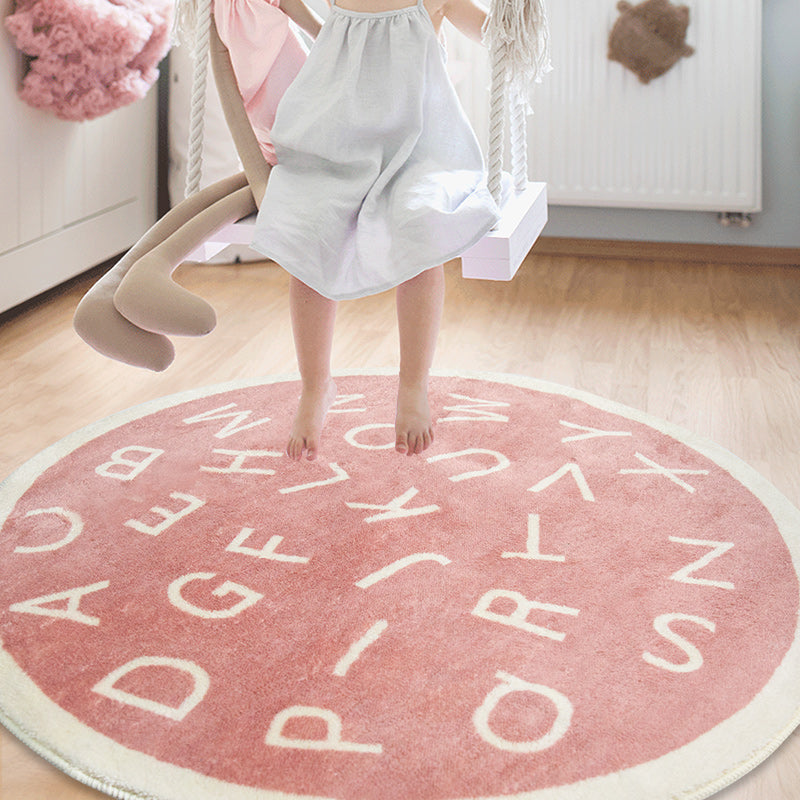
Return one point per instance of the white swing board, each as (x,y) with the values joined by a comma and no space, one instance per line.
(498,255)
(240,232)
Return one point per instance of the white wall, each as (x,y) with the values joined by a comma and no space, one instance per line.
(74,194)
(778,225)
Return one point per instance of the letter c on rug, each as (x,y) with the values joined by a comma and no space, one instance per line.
(72,519)
(107,687)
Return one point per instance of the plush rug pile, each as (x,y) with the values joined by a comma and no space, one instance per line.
(562,599)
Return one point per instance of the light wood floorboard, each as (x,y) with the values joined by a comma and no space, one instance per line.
(713,347)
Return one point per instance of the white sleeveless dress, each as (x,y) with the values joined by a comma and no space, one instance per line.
(379,174)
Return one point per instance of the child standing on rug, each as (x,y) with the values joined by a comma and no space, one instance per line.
(379,181)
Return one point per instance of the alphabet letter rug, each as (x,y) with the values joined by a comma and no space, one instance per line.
(562,599)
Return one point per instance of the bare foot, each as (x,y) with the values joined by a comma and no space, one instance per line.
(309,420)
(413,426)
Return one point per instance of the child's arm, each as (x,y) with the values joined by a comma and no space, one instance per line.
(302,16)
(468,16)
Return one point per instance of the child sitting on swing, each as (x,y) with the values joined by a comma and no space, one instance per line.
(379,181)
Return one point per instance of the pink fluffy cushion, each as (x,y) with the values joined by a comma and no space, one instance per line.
(89,57)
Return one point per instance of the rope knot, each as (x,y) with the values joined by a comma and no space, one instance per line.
(522,30)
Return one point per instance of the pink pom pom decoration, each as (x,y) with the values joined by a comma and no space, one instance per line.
(89,57)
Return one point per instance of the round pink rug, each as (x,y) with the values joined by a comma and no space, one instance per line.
(563,598)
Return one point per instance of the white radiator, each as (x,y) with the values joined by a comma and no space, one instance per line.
(690,139)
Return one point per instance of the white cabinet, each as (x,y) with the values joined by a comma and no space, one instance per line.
(72,194)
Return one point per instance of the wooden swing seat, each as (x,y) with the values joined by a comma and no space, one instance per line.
(497,256)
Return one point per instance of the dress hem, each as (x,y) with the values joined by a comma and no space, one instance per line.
(393,284)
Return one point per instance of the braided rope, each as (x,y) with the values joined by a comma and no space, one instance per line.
(518,36)
(497,114)
(519,144)
(202,40)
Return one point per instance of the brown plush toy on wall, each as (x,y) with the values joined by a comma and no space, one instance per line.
(649,38)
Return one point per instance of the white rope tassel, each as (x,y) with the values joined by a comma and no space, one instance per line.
(519,144)
(497,115)
(202,40)
(524,27)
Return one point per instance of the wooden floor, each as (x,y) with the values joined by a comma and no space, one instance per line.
(713,347)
